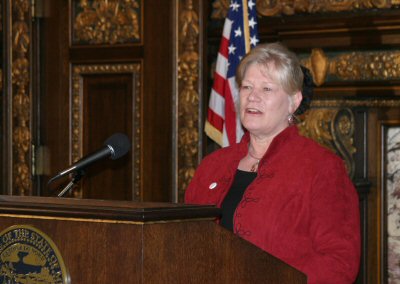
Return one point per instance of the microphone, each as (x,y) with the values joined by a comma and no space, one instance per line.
(114,147)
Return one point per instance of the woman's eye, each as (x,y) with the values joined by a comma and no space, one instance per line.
(246,88)
(266,89)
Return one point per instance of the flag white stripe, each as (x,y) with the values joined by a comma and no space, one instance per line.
(235,98)
(225,141)
(222,65)
(226,33)
(239,128)
(234,89)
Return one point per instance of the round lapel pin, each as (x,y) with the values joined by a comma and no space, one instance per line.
(213,185)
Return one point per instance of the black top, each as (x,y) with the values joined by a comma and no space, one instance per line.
(235,194)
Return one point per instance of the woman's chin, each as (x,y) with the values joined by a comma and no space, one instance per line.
(252,127)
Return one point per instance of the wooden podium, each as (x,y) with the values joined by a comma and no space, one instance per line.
(129,242)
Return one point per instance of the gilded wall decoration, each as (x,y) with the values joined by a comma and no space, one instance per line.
(106,21)
(188,96)
(78,71)
(220,9)
(326,103)
(21,99)
(291,7)
(353,66)
(333,128)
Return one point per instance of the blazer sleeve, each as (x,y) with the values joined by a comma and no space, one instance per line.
(334,227)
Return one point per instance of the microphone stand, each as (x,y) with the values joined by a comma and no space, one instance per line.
(77,177)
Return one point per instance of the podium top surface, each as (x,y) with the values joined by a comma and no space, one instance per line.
(104,209)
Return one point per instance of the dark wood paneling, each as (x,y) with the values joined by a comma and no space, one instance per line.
(96,54)
(335,31)
(53,93)
(157,100)
(220,256)
(107,109)
(362,184)
(88,261)
(104,209)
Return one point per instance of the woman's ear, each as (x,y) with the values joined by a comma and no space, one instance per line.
(296,100)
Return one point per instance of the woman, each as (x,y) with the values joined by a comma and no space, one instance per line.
(281,191)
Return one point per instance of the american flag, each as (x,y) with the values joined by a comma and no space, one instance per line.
(240,33)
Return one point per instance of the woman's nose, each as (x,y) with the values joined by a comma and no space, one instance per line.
(253,95)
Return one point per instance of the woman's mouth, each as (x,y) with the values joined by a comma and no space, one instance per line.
(253,111)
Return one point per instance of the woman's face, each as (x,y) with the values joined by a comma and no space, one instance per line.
(264,105)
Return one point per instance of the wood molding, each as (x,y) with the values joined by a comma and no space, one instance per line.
(76,126)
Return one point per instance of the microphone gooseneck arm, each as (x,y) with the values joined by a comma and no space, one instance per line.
(77,177)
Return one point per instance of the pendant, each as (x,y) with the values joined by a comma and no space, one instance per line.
(254,167)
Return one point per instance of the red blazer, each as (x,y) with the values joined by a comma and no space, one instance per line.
(301,208)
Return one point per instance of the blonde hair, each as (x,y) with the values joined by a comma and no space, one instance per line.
(287,66)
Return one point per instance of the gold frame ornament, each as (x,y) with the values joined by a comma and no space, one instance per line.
(291,7)
(106,22)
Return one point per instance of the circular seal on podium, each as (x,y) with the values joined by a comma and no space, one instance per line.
(27,255)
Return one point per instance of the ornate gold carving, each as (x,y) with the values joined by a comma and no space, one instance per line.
(354,103)
(106,21)
(220,9)
(355,66)
(333,129)
(291,7)
(318,64)
(367,66)
(21,100)
(188,97)
(76,113)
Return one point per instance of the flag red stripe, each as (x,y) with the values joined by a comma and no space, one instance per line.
(219,84)
(215,120)
(223,49)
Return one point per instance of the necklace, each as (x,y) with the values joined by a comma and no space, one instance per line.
(254,167)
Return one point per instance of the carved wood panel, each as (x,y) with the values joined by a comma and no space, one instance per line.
(16,99)
(107,99)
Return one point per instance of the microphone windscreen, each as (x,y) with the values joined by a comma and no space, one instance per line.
(119,143)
